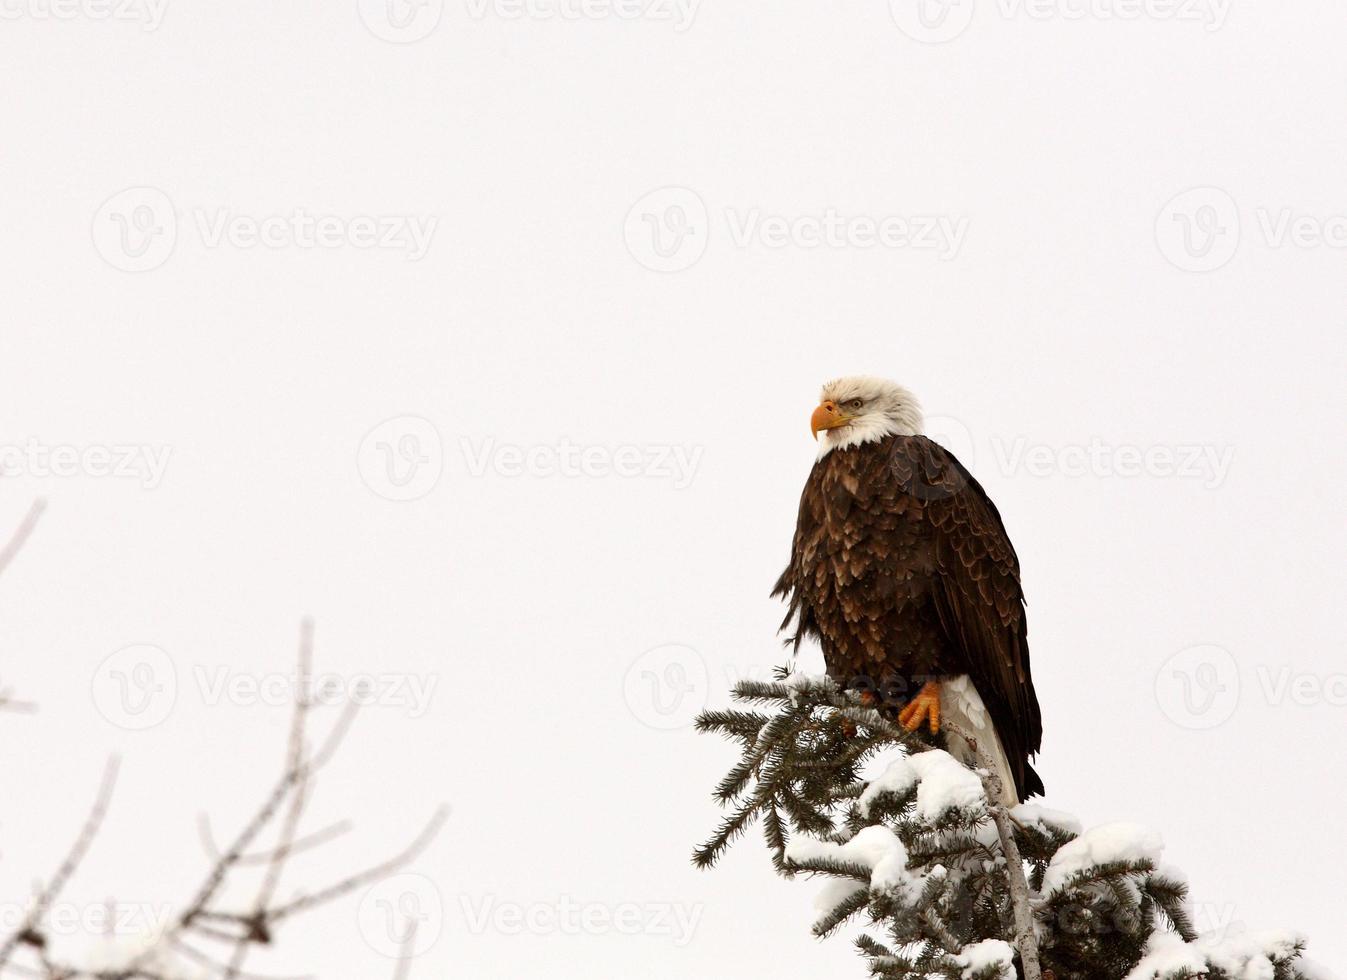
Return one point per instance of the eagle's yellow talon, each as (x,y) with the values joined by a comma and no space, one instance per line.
(925,707)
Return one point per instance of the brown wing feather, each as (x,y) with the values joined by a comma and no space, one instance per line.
(981,604)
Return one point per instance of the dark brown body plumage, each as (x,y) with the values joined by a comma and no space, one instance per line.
(902,570)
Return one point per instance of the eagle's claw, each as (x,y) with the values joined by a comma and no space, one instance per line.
(923,708)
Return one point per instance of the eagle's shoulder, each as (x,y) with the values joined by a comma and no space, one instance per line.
(910,467)
(951,499)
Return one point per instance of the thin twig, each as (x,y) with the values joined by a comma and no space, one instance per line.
(209,961)
(356,881)
(21,534)
(28,931)
(7,703)
(7,553)
(238,931)
(945,937)
(403,968)
(300,844)
(290,825)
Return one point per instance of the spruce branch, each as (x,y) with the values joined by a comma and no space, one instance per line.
(839,914)
(959,885)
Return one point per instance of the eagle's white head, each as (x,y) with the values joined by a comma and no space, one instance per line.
(861,409)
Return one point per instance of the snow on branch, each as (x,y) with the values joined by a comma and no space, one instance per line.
(946,881)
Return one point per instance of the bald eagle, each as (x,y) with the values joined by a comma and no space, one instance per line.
(901,569)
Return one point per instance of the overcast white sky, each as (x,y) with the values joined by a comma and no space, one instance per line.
(489,341)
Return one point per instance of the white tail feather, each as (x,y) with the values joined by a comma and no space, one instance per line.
(961,705)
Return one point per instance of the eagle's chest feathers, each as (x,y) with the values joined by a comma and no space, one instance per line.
(871,565)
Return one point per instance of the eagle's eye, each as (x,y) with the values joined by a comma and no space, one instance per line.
(856,403)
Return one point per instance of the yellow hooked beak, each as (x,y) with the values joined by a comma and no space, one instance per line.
(827,416)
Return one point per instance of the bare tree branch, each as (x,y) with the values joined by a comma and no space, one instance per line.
(294,763)
(422,841)
(195,955)
(29,933)
(403,967)
(7,702)
(7,553)
(307,842)
(239,931)
(21,534)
